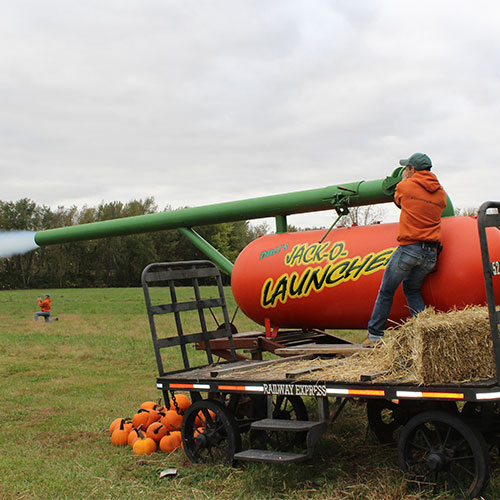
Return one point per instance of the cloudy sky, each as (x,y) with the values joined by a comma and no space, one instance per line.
(202,101)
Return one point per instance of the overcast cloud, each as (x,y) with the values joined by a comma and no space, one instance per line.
(198,102)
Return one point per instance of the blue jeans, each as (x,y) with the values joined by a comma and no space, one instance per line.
(44,314)
(409,265)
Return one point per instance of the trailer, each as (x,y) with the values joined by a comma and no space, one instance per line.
(444,431)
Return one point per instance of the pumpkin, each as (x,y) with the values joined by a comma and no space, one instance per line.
(170,442)
(161,408)
(150,405)
(154,416)
(114,425)
(144,445)
(120,435)
(183,402)
(141,418)
(198,431)
(172,420)
(132,437)
(201,418)
(156,431)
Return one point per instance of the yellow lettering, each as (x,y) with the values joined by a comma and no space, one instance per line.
(315,279)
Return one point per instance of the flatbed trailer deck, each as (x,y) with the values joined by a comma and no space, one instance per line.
(225,377)
(444,431)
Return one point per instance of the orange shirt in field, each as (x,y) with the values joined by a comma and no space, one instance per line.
(422,200)
(44,304)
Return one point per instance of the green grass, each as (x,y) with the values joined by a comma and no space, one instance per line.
(64,382)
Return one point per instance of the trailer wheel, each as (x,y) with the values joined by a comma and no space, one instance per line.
(216,440)
(385,418)
(439,451)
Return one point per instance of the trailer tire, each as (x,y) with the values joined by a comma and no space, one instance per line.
(438,450)
(219,438)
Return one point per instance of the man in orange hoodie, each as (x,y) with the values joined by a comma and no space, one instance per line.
(45,312)
(421,199)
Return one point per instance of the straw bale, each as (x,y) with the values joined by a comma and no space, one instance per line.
(430,348)
(448,347)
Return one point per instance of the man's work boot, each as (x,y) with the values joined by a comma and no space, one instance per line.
(368,342)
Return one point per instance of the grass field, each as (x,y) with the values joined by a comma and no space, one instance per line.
(64,382)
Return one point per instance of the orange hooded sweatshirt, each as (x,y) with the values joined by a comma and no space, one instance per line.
(422,200)
(44,304)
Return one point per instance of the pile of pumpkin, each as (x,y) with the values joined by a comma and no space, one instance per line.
(152,427)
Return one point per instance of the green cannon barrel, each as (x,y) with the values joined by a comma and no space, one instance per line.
(339,197)
(327,198)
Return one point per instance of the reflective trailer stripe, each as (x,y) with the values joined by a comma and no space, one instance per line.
(408,394)
(357,392)
(429,395)
(190,386)
(337,391)
(201,386)
(366,392)
(246,388)
(231,388)
(448,395)
(488,395)
(180,386)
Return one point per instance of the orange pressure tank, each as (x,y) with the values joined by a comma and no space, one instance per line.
(297,282)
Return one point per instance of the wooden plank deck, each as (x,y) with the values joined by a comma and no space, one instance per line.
(320,349)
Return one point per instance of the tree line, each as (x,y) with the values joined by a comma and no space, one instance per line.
(109,262)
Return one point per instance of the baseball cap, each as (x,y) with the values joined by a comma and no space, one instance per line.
(419,161)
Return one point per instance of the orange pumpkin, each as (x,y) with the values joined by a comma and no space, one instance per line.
(200,419)
(172,420)
(156,431)
(198,431)
(141,418)
(132,437)
(183,402)
(154,416)
(144,445)
(150,405)
(120,435)
(114,425)
(170,442)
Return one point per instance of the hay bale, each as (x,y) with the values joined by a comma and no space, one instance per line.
(430,348)
(439,347)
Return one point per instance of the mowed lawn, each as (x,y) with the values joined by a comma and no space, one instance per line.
(62,383)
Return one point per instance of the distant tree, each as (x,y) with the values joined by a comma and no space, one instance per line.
(56,261)
(466,212)
(362,216)
(121,259)
(257,230)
